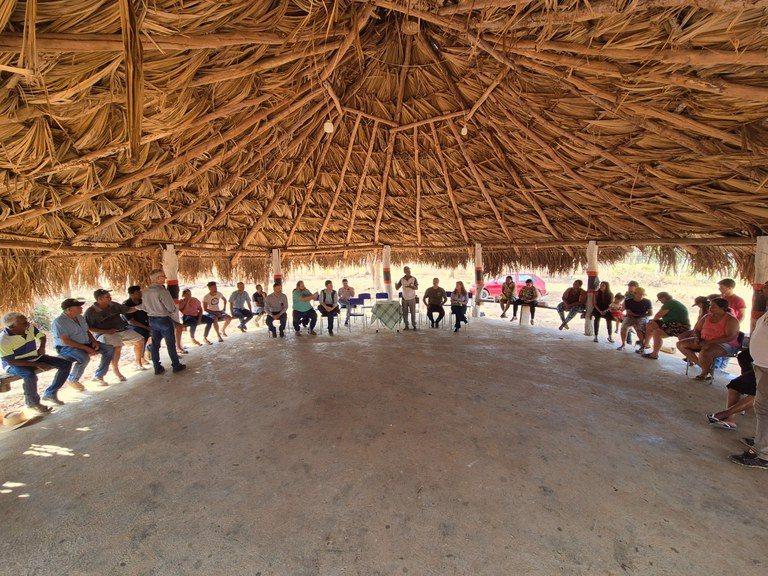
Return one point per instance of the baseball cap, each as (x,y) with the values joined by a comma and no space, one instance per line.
(633,283)
(70,302)
(100,292)
(699,300)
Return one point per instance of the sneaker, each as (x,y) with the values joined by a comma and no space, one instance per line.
(273,333)
(180,367)
(312,333)
(75,385)
(53,398)
(39,408)
(749,459)
(241,328)
(594,339)
(533,322)
(159,370)
(346,323)
(282,333)
(99,381)
(330,332)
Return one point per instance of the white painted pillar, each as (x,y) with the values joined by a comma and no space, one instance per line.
(386,264)
(171,269)
(277,268)
(761,277)
(592,284)
(478,279)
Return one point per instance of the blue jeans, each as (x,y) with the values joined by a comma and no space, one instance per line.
(308,317)
(346,305)
(81,358)
(330,315)
(163,328)
(242,314)
(29,377)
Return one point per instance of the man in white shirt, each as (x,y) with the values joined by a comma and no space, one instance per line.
(757,456)
(409,284)
(215,307)
(346,292)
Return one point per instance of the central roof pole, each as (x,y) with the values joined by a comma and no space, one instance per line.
(277,269)
(478,279)
(386,266)
(171,269)
(592,283)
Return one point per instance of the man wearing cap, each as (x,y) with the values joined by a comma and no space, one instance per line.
(276,308)
(735,303)
(671,320)
(22,350)
(73,340)
(409,284)
(138,321)
(163,320)
(105,319)
(240,306)
(215,307)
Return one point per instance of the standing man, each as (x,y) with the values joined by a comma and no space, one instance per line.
(22,349)
(435,297)
(74,341)
(409,284)
(240,306)
(757,456)
(735,303)
(138,321)
(276,308)
(163,318)
(105,319)
(346,293)
(215,307)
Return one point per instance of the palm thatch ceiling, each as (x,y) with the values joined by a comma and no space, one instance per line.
(527,126)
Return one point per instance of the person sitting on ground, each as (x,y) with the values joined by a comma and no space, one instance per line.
(508,296)
(22,349)
(192,315)
(435,297)
(240,306)
(329,304)
(138,321)
(258,304)
(617,311)
(73,340)
(276,308)
(459,300)
(528,296)
(601,308)
(215,307)
(740,397)
(303,312)
(735,303)
(409,284)
(671,320)
(163,320)
(574,300)
(105,319)
(715,334)
(346,293)
(636,311)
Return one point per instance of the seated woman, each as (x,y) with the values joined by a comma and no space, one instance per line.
(602,309)
(715,334)
(527,296)
(329,304)
(191,315)
(459,300)
(741,395)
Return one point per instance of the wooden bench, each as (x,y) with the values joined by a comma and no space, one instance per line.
(6,379)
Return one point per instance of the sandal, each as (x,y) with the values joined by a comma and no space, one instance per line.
(703,377)
(712,419)
(621,347)
(650,356)
(725,425)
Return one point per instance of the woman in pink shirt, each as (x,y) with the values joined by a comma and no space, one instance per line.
(715,334)
(192,314)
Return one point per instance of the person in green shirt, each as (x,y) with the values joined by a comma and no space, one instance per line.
(303,312)
(671,320)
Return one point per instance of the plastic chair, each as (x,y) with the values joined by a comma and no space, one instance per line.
(355,304)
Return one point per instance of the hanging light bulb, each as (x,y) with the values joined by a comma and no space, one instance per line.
(328,127)
(464,130)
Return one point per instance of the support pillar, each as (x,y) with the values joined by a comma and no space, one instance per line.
(592,284)
(386,264)
(171,269)
(761,277)
(277,268)
(478,279)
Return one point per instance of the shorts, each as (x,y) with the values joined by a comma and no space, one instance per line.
(674,328)
(730,349)
(744,384)
(118,338)
(636,323)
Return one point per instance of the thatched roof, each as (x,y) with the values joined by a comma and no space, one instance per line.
(528,126)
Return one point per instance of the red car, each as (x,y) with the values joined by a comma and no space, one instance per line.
(492,286)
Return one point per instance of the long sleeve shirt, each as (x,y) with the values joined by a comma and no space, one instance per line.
(157,302)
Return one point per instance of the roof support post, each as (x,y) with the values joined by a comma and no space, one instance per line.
(592,283)
(478,278)
(171,269)
(277,269)
(386,264)
(761,276)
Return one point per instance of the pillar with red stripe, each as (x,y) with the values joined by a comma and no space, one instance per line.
(277,268)
(386,265)
(592,284)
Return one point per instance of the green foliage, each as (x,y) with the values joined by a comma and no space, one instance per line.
(42,317)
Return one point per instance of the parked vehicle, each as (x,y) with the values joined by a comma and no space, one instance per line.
(492,286)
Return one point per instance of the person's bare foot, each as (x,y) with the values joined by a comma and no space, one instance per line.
(119,376)
(207,341)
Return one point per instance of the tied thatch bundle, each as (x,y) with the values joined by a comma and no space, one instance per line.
(329,129)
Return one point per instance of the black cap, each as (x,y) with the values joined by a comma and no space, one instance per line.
(70,302)
(100,292)
(134,289)
(211,283)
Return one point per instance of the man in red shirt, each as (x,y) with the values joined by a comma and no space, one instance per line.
(736,303)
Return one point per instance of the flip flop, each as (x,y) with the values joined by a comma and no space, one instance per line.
(650,356)
(725,425)
(703,377)
(711,418)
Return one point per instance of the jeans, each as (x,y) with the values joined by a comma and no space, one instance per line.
(409,305)
(330,315)
(271,322)
(460,312)
(431,309)
(310,316)
(163,328)
(575,309)
(346,305)
(81,358)
(29,377)
(242,314)
(521,303)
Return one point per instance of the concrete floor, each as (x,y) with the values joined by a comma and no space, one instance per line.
(504,450)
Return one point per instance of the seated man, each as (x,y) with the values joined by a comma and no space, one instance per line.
(215,308)
(276,308)
(303,312)
(637,309)
(740,396)
(22,349)
(346,293)
(435,297)
(671,320)
(138,321)
(574,301)
(73,340)
(258,304)
(105,319)
(329,304)
(528,296)
(240,306)
(508,295)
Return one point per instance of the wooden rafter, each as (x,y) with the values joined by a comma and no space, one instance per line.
(417,169)
(134,74)
(488,91)
(361,183)
(448,187)
(352,35)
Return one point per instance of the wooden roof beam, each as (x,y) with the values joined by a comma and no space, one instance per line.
(417,168)
(352,35)
(361,183)
(448,187)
